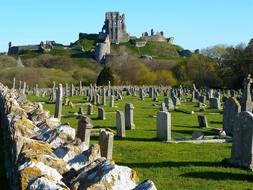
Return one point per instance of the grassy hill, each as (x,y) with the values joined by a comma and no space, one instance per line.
(76,61)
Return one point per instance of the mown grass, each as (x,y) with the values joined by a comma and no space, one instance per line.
(170,166)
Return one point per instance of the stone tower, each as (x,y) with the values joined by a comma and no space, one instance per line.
(115,27)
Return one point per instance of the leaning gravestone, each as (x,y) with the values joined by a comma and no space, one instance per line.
(202,121)
(231,109)
(242,147)
(120,124)
(163,125)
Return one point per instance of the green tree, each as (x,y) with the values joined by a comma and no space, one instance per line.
(105,76)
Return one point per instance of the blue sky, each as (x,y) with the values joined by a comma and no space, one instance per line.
(193,23)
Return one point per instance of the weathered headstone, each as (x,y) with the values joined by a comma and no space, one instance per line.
(14,83)
(129,114)
(80,111)
(163,125)
(101,113)
(106,144)
(58,104)
(202,119)
(231,109)
(120,124)
(242,147)
(84,129)
(111,101)
(89,109)
(215,103)
(246,103)
(103,97)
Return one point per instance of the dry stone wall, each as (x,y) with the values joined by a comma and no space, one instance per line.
(42,153)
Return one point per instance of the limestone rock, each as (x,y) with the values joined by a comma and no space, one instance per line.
(146,185)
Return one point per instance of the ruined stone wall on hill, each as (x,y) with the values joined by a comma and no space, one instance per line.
(42,153)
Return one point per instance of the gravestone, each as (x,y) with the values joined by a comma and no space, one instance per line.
(242,147)
(202,99)
(66,90)
(169,103)
(84,129)
(14,83)
(129,113)
(89,109)
(120,124)
(215,103)
(246,103)
(106,144)
(163,125)
(111,101)
(101,113)
(80,111)
(80,88)
(103,97)
(58,104)
(72,90)
(202,119)
(231,109)
(163,107)
(97,99)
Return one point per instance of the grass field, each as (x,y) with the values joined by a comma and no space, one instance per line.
(170,166)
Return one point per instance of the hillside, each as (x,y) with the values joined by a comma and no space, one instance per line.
(76,62)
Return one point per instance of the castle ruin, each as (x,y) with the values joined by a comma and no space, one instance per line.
(115,27)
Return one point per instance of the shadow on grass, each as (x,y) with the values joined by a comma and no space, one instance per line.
(219,176)
(138,139)
(189,132)
(184,126)
(173,164)
(216,122)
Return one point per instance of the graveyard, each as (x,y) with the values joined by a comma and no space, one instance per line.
(119,95)
(180,163)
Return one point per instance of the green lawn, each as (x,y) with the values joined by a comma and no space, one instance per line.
(170,166)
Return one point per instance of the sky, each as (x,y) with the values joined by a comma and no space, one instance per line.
(194,24)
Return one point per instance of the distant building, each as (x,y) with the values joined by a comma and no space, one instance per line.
(115,27)
(156,37)
(42,47)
